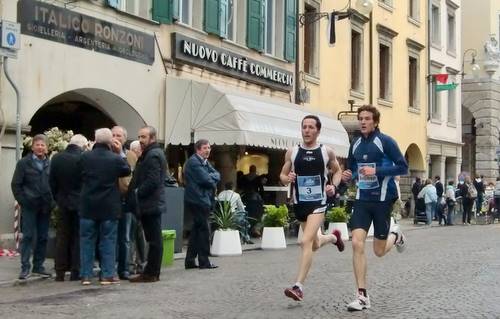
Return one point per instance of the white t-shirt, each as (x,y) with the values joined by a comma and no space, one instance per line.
(232,197)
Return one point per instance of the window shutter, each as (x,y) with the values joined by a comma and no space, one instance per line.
(224,17)
(290,34)
(114,3)
(212,16)
(255,25)
(175,9)
(162,11)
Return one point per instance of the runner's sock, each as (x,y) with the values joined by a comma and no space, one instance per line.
(362,291)
(298,284)
(395,235)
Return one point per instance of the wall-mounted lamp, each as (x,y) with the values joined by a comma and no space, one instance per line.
(474,67)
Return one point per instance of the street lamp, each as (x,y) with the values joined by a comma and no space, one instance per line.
(474,67)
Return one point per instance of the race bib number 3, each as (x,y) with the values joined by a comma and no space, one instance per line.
(309,188)
(367,182)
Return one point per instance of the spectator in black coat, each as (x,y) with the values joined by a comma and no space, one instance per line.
(100,205)
(30,186)
(480,188)
(439,192)
(66,189)
(147,195)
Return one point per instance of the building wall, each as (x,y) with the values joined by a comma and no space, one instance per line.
(332,89)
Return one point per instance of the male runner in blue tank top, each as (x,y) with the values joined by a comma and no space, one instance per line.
(307,167)
(374,160)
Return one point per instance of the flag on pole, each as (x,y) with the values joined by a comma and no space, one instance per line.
(441,78)
(446,87)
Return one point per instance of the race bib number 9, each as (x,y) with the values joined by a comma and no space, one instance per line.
(309,188)
(367,182)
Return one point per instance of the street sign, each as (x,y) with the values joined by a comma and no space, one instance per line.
(11,35)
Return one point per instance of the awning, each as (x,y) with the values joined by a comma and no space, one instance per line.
(197,110)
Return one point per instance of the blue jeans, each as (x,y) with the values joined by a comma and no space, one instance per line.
(89,229)
(429,207)
(123,243)
(33,222)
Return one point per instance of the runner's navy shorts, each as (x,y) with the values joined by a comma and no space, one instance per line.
(367,211)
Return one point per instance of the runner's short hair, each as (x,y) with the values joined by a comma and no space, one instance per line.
(372,109)
(314,117)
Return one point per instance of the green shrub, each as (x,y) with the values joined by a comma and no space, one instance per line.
(223,217)
(275,216)
(337,215)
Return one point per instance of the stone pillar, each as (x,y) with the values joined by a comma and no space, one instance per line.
(486,145)
(225,161)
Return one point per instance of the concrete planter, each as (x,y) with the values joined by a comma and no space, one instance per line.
(342,227)
(226,243)
(273,238)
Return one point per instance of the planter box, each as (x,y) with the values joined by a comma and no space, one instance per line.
(340,226)
(370,231)
(273,238)
(226,243)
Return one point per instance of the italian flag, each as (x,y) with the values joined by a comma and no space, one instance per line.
(442,83)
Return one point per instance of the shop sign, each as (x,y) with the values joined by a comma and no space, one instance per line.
(281,142)
(57,24)
(194,52)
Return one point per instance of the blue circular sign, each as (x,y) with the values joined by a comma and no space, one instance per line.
(11,38)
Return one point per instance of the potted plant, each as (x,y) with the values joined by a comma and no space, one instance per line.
(337,219)
(226,240)
(274,220)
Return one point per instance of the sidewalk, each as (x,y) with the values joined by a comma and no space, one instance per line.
(10,266)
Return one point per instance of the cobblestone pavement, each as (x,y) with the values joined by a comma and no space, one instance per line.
(446,272)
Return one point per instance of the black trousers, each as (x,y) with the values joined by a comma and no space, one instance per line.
(68,241)
(152,231)
(199,239)
(467,210)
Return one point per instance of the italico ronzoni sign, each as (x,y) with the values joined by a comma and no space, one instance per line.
(188,50)
(58,24)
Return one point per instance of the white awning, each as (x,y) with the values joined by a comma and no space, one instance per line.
(197,110)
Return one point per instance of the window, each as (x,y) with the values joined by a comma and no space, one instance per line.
(356,60)
(232,21)
(269,27)
(185,7)
(452,106)
(385,61)
(435,31)
(413,82)
(386,2)
(141,8)
(451,31)
(385,71)
(413,9)
(311,52)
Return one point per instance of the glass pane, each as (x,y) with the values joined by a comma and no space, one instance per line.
(232,20)
(269,26)
(184,8)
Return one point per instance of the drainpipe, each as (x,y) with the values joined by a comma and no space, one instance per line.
(297,47)
(370,67)
(429,76)
(18,110)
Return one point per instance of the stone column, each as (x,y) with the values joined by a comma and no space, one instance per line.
(486,145)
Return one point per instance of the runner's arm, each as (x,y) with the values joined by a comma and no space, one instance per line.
(286,175)
(392,151)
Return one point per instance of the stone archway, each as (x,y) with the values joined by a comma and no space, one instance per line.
(481,103)
(415,159)
(85,110)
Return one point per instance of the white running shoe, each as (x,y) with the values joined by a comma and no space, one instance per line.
(360,303)
(401,238)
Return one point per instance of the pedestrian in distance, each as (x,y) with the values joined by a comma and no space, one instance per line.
(438,211)
(450,202)
(31,189)
(306,168)
(201,181)
(66,190)
(100,205)
(147,193)
(429,194)
(374,160)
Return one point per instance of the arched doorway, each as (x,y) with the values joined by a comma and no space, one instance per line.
(469,142)
(85,110)
(415,160)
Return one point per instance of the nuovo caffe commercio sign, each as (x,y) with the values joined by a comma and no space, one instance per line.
(194,52)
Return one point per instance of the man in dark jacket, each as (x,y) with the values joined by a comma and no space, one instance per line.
(438,211)
(30,186)
(100,205)
(480,188)
(147,191)
(66,189)
(201,180)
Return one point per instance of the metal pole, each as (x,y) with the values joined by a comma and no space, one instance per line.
(18,110)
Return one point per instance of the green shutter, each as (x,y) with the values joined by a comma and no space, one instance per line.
(162,11)
(175,10)
(290,34)
(212,17)
(224,17)
(255,25)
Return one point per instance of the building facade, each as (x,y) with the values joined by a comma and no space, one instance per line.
(480,87)
(379,59)
(216,69)
(444,130)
